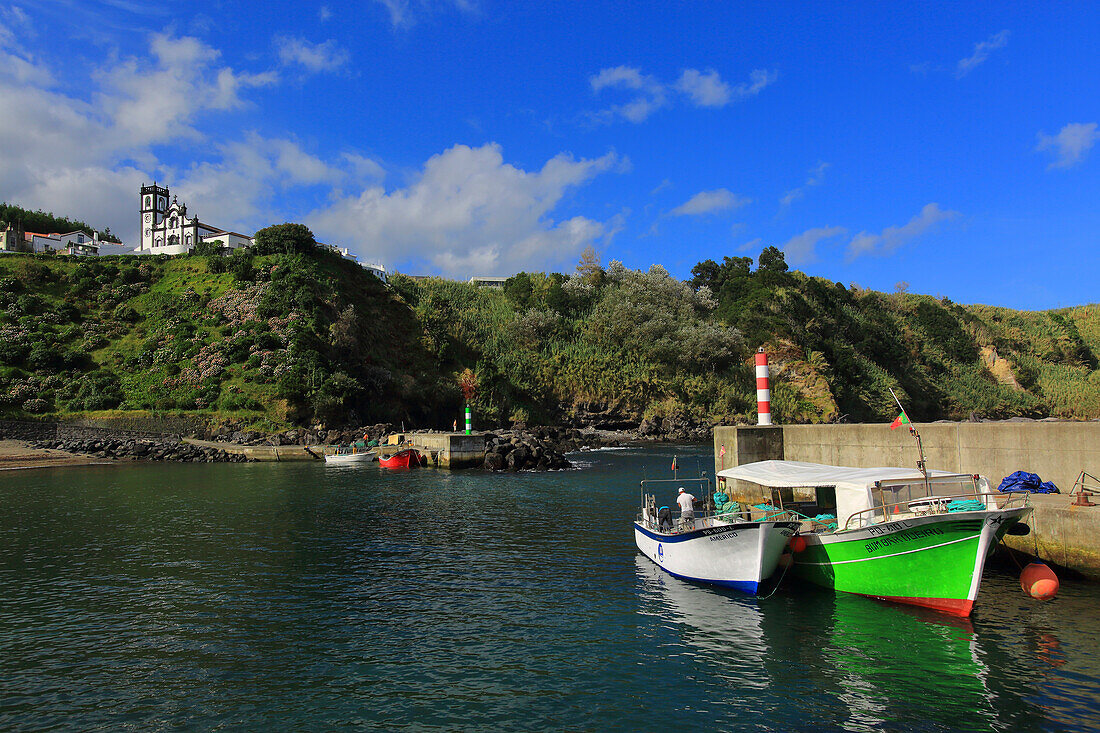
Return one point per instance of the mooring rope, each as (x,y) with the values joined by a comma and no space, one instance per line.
(778,582)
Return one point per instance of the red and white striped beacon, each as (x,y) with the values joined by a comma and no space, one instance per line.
(763,389)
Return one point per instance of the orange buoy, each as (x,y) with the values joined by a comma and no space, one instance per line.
(1039,581)
(797,543)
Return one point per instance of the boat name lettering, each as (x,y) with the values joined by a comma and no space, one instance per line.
(887,528)
(906,536)
(720,537)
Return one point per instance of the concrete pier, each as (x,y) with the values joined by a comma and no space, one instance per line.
(1058,451)
(443,450)
(263,452)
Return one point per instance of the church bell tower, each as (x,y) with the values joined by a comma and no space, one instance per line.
(154,202)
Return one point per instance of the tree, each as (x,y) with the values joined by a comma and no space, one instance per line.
(714,276)
(772,260)
(284,239)
(706,273)
(206,249)
(518,289)
(590,268)
(467,382)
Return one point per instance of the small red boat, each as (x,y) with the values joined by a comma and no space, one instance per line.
(408,458)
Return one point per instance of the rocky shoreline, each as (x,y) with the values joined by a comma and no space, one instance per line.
(114,445)
(520,448)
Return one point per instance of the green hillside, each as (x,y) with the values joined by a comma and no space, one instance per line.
(292,334)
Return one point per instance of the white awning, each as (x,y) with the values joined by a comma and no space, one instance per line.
(853,485)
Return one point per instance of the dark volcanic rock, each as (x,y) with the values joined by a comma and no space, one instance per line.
(521,451)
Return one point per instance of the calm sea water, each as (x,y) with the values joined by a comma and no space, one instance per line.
(306,597)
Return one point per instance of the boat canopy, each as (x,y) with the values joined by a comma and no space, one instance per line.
(854,487)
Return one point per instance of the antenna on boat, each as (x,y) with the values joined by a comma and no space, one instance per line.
(920,447)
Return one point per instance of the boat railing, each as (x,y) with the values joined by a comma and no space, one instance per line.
(650,518)
(927,505)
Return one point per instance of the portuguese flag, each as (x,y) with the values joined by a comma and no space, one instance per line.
(900,420)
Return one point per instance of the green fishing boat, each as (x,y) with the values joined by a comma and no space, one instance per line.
(915,537)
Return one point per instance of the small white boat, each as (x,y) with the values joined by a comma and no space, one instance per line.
(724,550)
(350,455)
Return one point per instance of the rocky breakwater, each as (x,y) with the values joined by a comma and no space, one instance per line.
(541,448)
(520,451)
(140,449)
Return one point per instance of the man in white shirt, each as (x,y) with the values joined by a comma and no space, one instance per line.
(687,507)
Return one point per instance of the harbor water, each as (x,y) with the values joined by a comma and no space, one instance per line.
(304,596)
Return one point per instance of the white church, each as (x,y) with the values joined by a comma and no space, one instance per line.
(165,228)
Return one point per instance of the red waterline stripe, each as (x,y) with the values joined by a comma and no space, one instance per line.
(952,606)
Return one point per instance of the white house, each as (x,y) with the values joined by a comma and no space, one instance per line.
(376,269)
(166,228)
(485,281)
(72,243)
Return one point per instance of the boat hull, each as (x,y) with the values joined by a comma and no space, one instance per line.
(732,555)
(409,458)
(350,457)
(932,561)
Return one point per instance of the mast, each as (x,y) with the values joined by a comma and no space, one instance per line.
(920,447)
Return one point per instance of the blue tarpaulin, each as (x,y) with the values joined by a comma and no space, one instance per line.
(1024,481)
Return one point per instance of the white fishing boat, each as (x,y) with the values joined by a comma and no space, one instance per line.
(351,455)
(720,549)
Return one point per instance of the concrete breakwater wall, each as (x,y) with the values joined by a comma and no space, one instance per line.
(1057,451)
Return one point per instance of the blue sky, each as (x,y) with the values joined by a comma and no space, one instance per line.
(950,146)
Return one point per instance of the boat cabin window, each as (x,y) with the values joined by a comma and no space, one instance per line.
(902,496)
(810,501)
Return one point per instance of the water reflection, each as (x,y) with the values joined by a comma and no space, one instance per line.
(722,627)
(835,661)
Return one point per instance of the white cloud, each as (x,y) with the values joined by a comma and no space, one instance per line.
(817,173)
(469,212)
(661,187)
(324,13)
(982,49)
(1070,145)
(237,188)
(791,196)
(364,168)
(86,159)
(814,178)
(707,202)
(702,88)
(154,103)
(651,94)
(758,79)
(313,57)
(403,13)
(893,237)
(802,248)
(706,89)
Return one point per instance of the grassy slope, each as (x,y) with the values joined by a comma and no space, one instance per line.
(136,335)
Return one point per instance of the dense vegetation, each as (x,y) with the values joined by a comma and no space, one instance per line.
(42,222)
(291,333)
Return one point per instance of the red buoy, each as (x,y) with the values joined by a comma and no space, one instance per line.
(797,543)
(1039,581)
